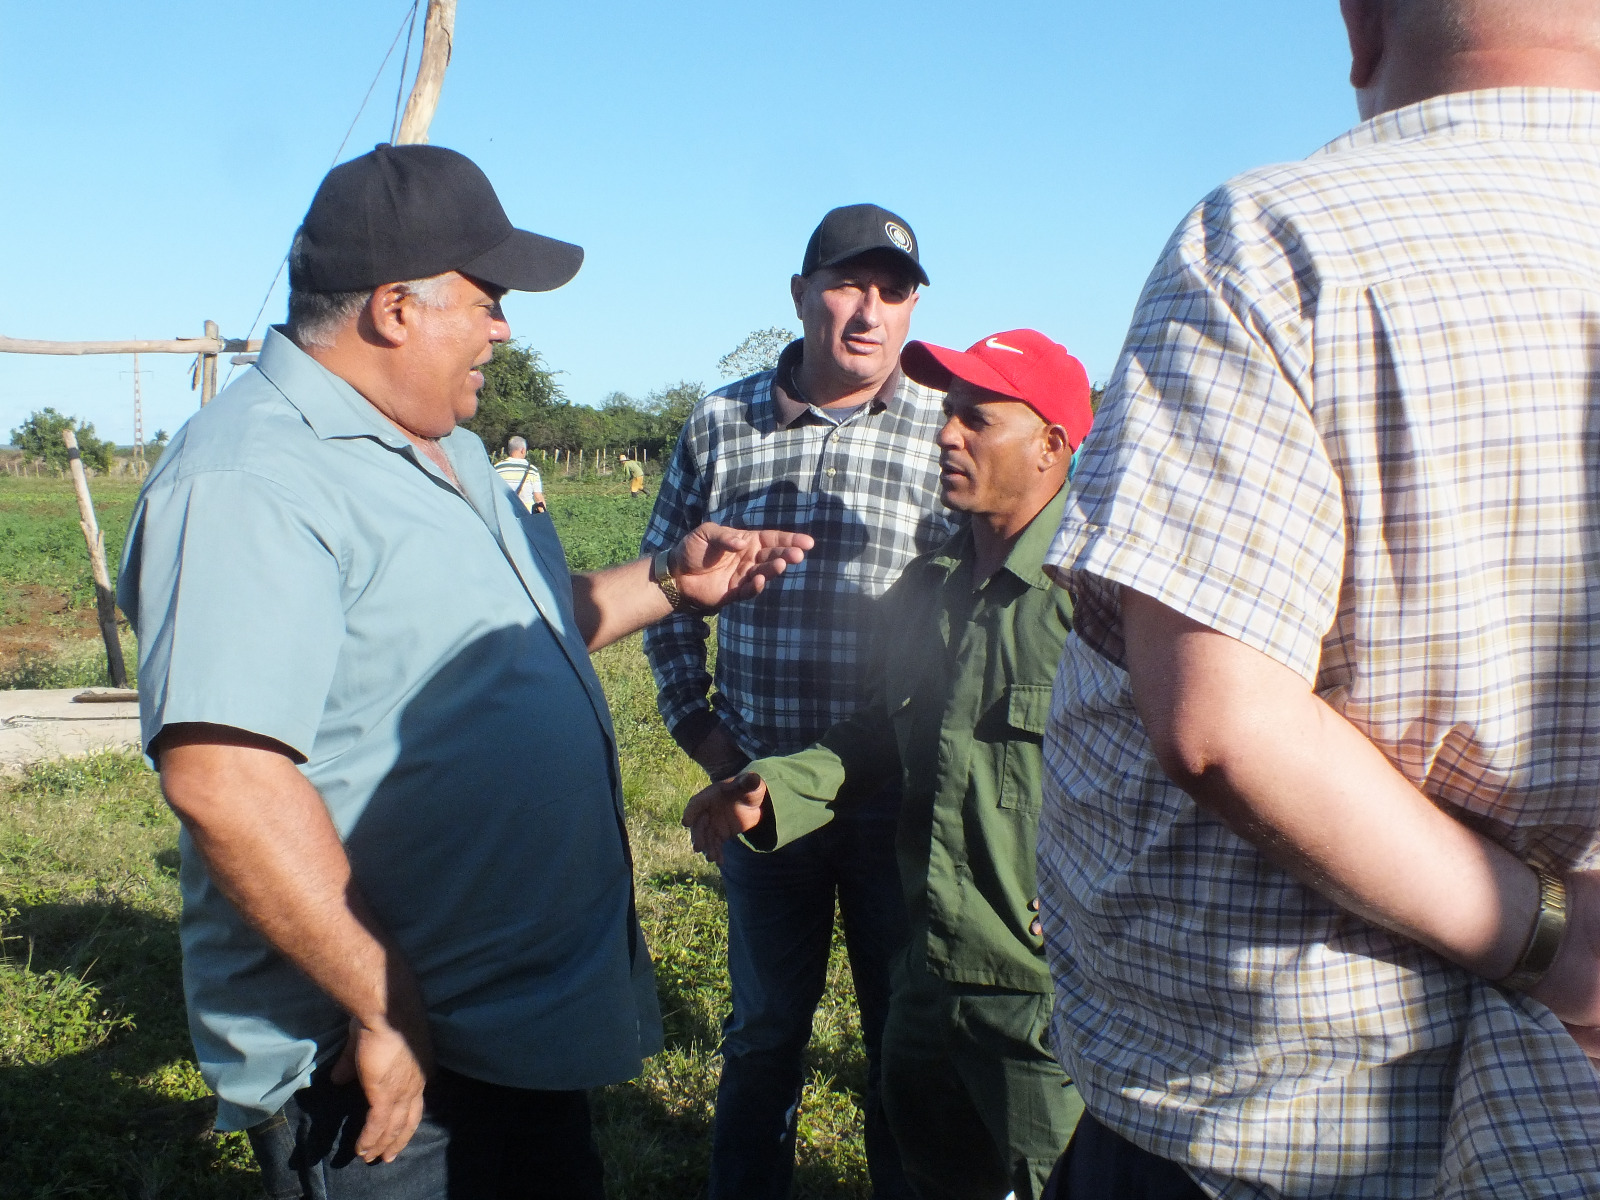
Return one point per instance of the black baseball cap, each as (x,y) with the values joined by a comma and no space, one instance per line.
(856,229)
(410,212)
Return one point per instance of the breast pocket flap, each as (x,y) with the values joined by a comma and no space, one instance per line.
(1028,707)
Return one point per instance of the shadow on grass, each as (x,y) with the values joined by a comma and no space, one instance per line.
(98,1093)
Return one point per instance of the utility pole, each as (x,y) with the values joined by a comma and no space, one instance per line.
(138,423)
(438,34)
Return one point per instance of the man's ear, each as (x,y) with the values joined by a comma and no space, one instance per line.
(1053,447)
(797,290)
(1363,23)
(384,314)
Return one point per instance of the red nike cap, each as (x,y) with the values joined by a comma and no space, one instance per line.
(1020,364)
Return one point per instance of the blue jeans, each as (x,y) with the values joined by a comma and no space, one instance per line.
(1100,1164)
(477,1141)
(780,928)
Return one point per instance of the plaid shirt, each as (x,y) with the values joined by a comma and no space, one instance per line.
(1354,427)
(867,489)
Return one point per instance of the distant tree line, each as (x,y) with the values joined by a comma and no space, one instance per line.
(40,443)
(520,395)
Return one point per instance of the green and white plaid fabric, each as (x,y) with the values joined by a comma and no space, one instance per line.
(1356,426)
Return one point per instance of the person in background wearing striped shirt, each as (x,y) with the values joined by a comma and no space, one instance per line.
(521,476)
(841,444)
(1322,800)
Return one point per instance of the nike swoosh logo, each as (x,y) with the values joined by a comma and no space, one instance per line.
(996,344)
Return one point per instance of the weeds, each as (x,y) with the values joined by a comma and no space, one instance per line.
(76,665)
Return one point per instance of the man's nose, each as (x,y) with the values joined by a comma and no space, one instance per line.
(948,437)
(870,311)
(499,327)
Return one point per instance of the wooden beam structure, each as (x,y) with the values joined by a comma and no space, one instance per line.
(438,34)
(199,345)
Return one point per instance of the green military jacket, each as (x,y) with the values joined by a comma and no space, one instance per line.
(963,691)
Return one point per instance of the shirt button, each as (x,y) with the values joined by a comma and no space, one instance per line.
(830,472)
(835,436)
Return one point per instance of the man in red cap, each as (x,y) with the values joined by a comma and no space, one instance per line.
(969,640)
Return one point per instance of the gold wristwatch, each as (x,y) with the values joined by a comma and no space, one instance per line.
(661,576)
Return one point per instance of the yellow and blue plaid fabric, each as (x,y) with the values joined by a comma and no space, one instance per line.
(1356,426)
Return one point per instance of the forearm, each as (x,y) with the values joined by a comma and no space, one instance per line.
(1255,746)
(617,601)
(806,789)
(270,848)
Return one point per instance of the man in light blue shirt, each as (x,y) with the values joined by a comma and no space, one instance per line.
(403,967)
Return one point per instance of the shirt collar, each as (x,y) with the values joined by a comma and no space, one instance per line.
(1026,557)
(1520,114)
(789,406)
(328,403)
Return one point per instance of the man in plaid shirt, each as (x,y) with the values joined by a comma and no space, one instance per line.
(835,443)
(1323,765)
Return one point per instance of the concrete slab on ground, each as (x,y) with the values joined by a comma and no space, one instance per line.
(37,725)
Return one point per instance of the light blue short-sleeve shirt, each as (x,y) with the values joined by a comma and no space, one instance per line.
(296,569)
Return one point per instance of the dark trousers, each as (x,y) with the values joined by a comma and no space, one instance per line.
(1103,1165)
(477,1141)
(977,1102)
(780,928)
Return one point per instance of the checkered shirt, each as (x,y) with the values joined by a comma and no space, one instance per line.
(1356,426)
(867,489)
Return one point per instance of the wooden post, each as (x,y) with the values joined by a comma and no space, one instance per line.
(208,368)
(105,601)
(438,33)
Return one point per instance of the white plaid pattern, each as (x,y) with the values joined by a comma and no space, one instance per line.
(788,662)
(1356,426)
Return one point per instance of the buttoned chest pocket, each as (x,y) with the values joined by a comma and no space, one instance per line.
(1027,709)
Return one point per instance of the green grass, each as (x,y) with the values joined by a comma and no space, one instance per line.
(41,545)
(99,1095)
(598,521)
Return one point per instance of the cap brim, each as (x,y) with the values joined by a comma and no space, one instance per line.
(934,366)
(916,267)
(526,262)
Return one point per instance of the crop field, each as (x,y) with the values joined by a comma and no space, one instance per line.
(99,1094)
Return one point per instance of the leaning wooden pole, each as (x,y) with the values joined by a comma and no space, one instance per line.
(105,601)
(438,35)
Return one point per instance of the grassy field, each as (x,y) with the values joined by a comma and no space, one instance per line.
(98,1093)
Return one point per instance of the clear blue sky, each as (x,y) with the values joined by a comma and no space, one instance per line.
(157,159)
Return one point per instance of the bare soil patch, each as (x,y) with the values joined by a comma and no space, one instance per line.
(39,620)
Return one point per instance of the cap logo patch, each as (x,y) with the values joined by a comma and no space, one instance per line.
(900,236)
(997,344)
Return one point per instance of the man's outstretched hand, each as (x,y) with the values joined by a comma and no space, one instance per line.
(715,565)
(726,809)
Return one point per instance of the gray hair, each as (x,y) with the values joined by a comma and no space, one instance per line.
(315,318)
(517,444)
